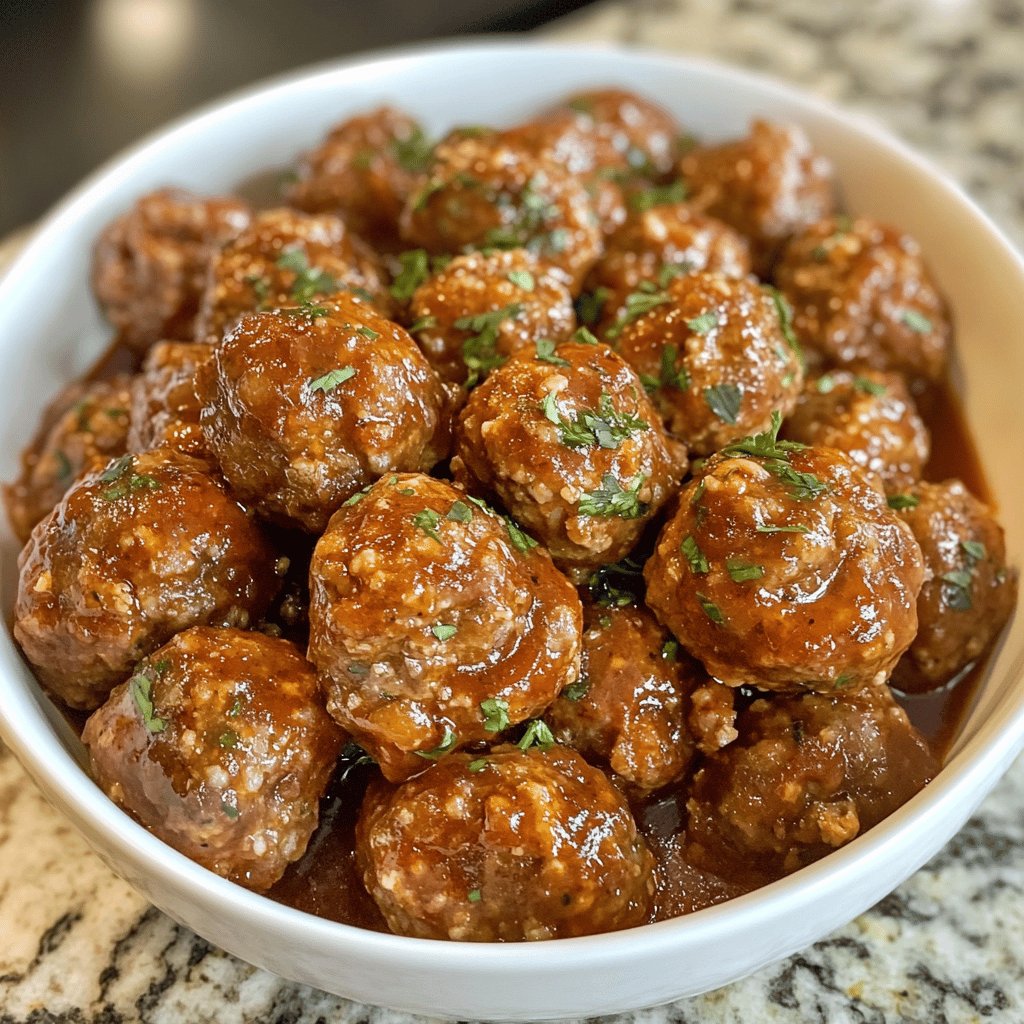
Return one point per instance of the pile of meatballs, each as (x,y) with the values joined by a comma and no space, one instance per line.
(552,473)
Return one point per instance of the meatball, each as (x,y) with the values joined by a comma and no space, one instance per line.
(482,307)
(364,170)
(286,258)
(486,191)
(862,296)
(968,592)
(132,555)
(302,407)
(785,569)
(767,186)
(716,355)
(807,774)
(656,245)
(220,745)
(572,446)
(870,416)
(516,845)
(630,705)
(80,430)
(149,267)
(435,623)
(164,405)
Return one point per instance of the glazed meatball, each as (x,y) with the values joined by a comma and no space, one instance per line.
(862,296)
(219,744)
(132,555)
(717,356)
(435,623)
(485,191)
(149,268)
(657,245)
(572,446)
(630,705)
(870,416)
(767,186)
(80,430)
(807,774)
(364,170)
(164,405)
(516,845)
(482,307)
(785,569)
(968,592)
(302,407)
(286,258)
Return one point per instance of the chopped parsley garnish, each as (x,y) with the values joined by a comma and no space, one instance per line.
(585,336)
(868,386)
(520,539)
(537,735)
(546,352)
(310,310)
(670,271)
(357,497)
(443,631)
(528,227)
(65,471)
(711,610)
(638,304)
(423,323)
(415,264)
(236,708)
(612,499)
(332,379)
(659,195)
(724,401)
(973,549)
(260,287)
(607,593)
(368,333)
(478,765)
(460,512)
(522,279)
(495,712)
(785,314)
(743,572)
(775,453)
(670,375)
(228,739)
(705,323)
(958,594)
(696,558)
(590,305)
(899,502)
(446,746)
(474,896)
(123,481)
(229,809)
(480,350)
(670,650)
(309,281)
(917,322)
(358,668)
(413,153)
(141,688)
(427,521)
(826,384)
(605,428)
(795,528)
(577,690)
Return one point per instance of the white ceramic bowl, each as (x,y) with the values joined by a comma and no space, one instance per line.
(50,330)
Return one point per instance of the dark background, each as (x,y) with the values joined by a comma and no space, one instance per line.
(80,79)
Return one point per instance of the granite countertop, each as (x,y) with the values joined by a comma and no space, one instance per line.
(77,945)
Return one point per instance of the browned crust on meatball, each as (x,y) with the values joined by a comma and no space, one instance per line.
(219,744)
(787,572)
(302,407)
(149,266)
(573,448)
(862,296)
(518,845)
(969,592)
(716,356)
(132,555)
(426,610)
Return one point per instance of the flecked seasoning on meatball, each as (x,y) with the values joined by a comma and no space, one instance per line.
(285,258)
(767,186)
(870,416)
(807,774)
(132,555)
(435,623)
(532,844)
(164,405)
(485,191)
(302,407)
(862,296)
(472,315)
(717,356)
(631,705)
(364,170)
(220,745)
(149,267)
(80,430)
(968,592)
(572,446)
(785,569)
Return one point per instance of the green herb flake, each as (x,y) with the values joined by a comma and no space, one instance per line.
(901,502)
(123,481)
(368,333)
(795,528)
(743,572)
(236,708)
(705,323)
(670,271)
(448,743)
(711,610)
(577,690)
(480,349)
(659,195)
(724,401)
(546,352)
(917,322)
(670,650)
(309,281)
(478,765)
(537,735)
(474,896)
(415,269)
(869,387)
(140,686)
(974,550)
(230,810)
(65,471)
(443,631)
(428,521)
(413,152)
(826,384)
(698,562)
(776,453)
(495,714)
(611,499)
(604,428)
(460,512)
(590,305)
(310,310)
(522,279)
(260,287)
(228,740)
(638,304)
(423,323)
(357,497)
(332,379)
(520,539)
(784,311)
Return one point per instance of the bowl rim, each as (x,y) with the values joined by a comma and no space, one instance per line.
(24,724)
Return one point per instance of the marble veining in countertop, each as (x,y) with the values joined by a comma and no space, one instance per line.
(77,945)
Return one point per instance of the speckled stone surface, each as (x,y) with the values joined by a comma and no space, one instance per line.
(77,944)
